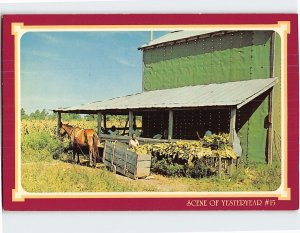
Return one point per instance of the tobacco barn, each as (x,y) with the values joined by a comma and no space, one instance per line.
(224,81)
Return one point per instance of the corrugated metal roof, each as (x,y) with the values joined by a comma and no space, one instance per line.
(177,35)
(224,94)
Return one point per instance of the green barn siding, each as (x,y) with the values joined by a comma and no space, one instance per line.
(212,60)
(258,134)
(261,61)
(251,127)
(230,57)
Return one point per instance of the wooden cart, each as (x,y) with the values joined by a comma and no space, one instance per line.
(119,159)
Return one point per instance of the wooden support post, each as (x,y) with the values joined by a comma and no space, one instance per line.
(236,163)
(220,166)
(130,119)
(58,122)
(230,166)
(104,121)
(270,129)
(170,128)
(232,123)
(125,127)
(99,123)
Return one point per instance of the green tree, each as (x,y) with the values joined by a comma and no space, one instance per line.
(70,116)
(44,114)
(35,115)
(23,114)
(90,117)
(52,116)
(39,115)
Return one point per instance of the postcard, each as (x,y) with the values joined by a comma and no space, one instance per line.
(150,112)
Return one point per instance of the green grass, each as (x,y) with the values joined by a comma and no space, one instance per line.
(58,176)
(64,177)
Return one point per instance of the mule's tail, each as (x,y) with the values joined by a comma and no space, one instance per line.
(95,147)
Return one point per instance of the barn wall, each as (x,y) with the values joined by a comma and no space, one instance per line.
(154,122)
(253,132)
(252,129)
(231,57)
(188,123)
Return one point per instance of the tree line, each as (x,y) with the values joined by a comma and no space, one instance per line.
(45,115)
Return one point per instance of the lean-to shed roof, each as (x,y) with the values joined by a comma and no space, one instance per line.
(236,94)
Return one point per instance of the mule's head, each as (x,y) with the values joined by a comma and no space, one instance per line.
(63,129)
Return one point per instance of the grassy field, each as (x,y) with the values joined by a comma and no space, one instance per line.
(42,173)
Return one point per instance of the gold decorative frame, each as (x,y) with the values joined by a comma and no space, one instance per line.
(18,29)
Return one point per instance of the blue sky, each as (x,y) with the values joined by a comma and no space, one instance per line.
(62,69)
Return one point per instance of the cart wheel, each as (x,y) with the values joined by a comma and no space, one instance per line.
(113,168)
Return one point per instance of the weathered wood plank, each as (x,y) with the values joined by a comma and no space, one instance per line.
(108,153)
(220,166)
(107,163)
(119,162)
(143,172)
(134,175)
(232,123)
(104,121)
(143,164)
(58,122)
(125,139)
(131,167)
(229,170)
(144,157)
(131,175)
(130,119)
(121,145)
(109,144)
(99,123)
(170,128)
(126,162)
(120,151)
(131,157)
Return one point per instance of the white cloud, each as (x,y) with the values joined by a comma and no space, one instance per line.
(124,62)
(42,54)
(70,42)
(49,38)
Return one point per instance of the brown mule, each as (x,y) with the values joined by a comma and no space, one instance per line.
(80,138)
